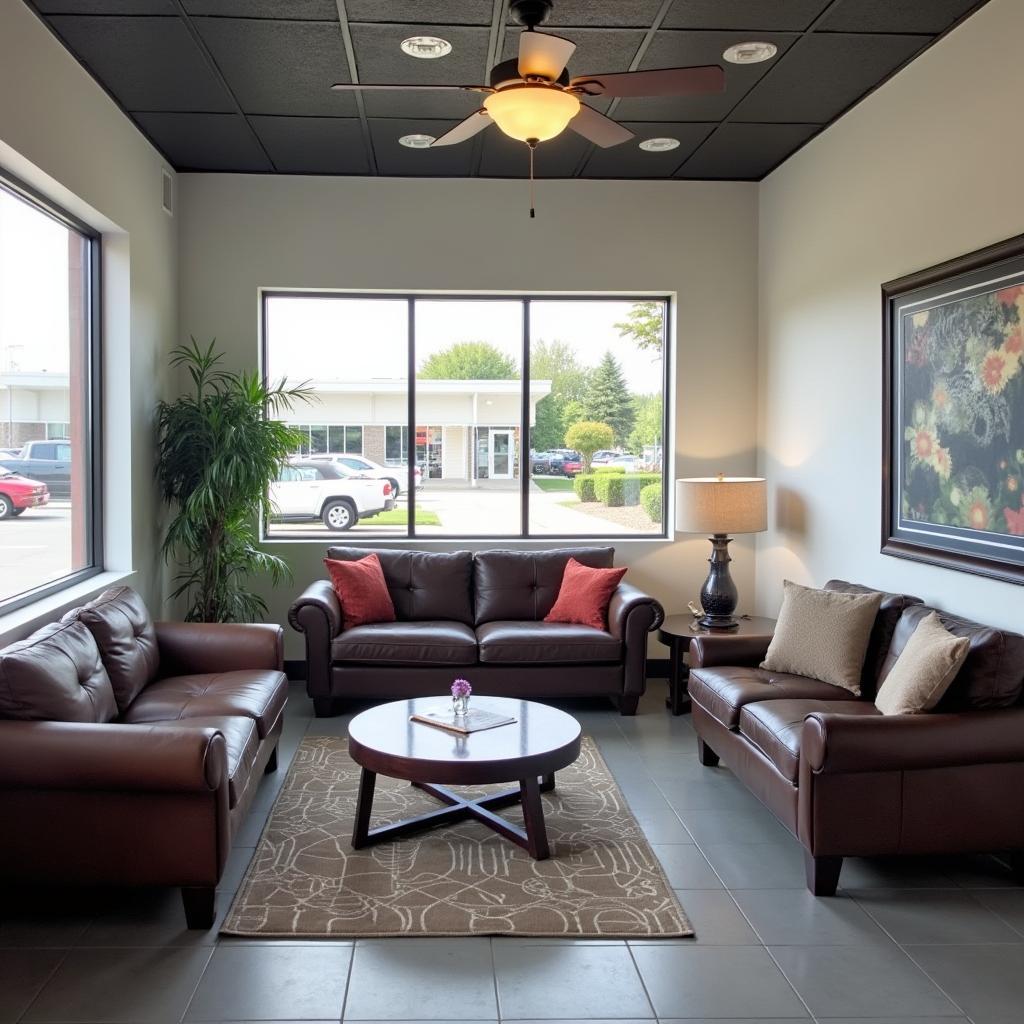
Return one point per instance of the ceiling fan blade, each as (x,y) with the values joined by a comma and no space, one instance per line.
(603,131)
(661,82)
(543,54)
(360,87)
(465,129)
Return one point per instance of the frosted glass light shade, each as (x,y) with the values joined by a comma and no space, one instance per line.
(532,111)
(721,505)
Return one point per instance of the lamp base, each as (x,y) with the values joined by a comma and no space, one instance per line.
(718,622)
(718,596)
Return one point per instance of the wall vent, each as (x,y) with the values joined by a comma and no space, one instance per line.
(167,193)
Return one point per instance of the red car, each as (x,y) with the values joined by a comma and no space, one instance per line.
(18,493)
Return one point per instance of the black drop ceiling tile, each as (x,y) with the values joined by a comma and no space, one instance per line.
(394,158)
(628,160)
(672,49)
(746,15)
(143,7)
(928,16)
(824,74)
(205,142)
(434,12)
(294,10)
(313,145)
(147,63)
(503,157)
(745,151)
(636,14)
(281,67)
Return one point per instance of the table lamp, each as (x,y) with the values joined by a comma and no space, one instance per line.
(720,505)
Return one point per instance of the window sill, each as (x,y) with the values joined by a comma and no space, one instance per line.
(20,623)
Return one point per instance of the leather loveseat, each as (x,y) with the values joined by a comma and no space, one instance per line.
(479,615)
(847,780)
(130,751)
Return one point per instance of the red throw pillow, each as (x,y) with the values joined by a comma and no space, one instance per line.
(584,595)
(361,590)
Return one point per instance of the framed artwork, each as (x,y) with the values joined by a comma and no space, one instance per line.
(953,414)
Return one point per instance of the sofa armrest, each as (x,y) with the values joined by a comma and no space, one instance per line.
(192,647)
(624,602)
(708,650)
(138,758)
(833,744)
(317,614)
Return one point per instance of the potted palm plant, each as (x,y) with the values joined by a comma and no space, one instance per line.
(219,448)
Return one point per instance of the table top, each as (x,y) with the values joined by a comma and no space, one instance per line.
(540,741)
(684,626)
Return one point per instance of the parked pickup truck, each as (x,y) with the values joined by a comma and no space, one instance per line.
(47,461)
(327,491)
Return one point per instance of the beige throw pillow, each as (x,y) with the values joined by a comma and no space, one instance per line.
(924,670)
(823,634)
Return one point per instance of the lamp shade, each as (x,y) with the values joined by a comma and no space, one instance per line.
(532,111)
(728,504)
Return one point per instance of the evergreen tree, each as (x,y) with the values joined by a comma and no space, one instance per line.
(556,361)
(608,399)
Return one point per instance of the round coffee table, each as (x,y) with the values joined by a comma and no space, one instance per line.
(542,740)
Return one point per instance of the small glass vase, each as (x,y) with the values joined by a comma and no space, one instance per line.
(460,706)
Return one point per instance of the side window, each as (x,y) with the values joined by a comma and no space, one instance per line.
(42,451)
(63,452)
(288,474)
(308,473)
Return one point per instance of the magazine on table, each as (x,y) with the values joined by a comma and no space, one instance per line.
(475,720)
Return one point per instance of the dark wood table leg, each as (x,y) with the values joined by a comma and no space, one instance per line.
(364,804)
(678,701)
(533,818)
(547,783)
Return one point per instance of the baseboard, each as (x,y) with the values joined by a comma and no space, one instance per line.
(657,668)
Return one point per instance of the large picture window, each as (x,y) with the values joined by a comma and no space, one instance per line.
(462,416)
(49,515)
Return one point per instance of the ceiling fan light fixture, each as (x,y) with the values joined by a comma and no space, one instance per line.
(532,112)
(754,52)
(416,141)
(426,47)
(661,144)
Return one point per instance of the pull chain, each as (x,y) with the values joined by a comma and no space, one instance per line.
(532,143)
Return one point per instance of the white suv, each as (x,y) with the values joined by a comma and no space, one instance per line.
(397,476)
(336,495)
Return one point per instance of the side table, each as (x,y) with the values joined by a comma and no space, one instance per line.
(676,633)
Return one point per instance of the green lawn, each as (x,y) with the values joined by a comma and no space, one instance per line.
(553,483)
(400,517)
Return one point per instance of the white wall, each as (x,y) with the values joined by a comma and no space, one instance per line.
(697,240)
(927,168)
(61,134)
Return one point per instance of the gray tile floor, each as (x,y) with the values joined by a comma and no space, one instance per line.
(905,942)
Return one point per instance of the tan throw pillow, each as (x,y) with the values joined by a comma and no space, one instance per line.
(823,634)
(924,670)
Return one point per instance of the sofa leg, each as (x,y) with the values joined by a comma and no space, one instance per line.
(628,703)
(706,755)
(822,873)
(200,903)
(1017,866)
(271,762)
(326,707)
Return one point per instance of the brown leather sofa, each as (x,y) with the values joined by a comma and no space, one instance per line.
(847,780)
(479,615)
(130,751)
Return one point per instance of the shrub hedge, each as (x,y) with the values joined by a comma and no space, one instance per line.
(623,489)
(608,469)
(583,485)
(650,498)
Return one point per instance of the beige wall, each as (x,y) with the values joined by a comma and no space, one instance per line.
(927,168)
(696,240)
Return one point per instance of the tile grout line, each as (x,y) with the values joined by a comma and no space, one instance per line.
(46,981)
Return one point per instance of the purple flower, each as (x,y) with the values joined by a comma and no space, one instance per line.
(461,688)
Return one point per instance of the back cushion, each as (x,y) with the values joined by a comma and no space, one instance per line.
(522,585)
(889,613)
(991,677)
(56,675)
(422,584)
(124,633)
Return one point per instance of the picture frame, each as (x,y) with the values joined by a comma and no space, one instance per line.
(953,413)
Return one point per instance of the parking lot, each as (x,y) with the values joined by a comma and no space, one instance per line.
(35,548)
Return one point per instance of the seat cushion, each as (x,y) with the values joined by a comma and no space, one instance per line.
(243,746)
(723,692)
(546,643)
(407,643)
(775,727)
(251,693)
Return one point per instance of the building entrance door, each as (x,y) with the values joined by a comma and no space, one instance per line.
(501,457)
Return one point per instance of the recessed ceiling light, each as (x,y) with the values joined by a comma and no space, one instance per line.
(417,141)
(750,53)
(659,145)
(426,47)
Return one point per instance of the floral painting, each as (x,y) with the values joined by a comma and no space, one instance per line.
(956,431)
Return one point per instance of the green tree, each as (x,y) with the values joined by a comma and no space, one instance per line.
(645,324)
(608,399)
(469,360)
(648,423)
(556,361)
(587,437)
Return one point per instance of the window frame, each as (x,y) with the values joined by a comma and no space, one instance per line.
(411,298)
(92,399)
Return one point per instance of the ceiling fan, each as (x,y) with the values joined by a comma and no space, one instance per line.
(532,98)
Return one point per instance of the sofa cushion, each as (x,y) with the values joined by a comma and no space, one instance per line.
(362,591)
(56,675)
(585,594)
(775,727)
(407,643)
(243,745)
(523,585)
(424,585)
(992,675)
(548,643)
(723,692)
(251,693)
(119,621)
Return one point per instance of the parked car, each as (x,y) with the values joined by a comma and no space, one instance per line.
(306,491)
(570,463)
(46,461)
(630,463)
(602,458)
(9,453)
(395,475)
(18,493)
(540,463)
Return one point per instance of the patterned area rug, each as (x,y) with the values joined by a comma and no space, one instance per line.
(602,880)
